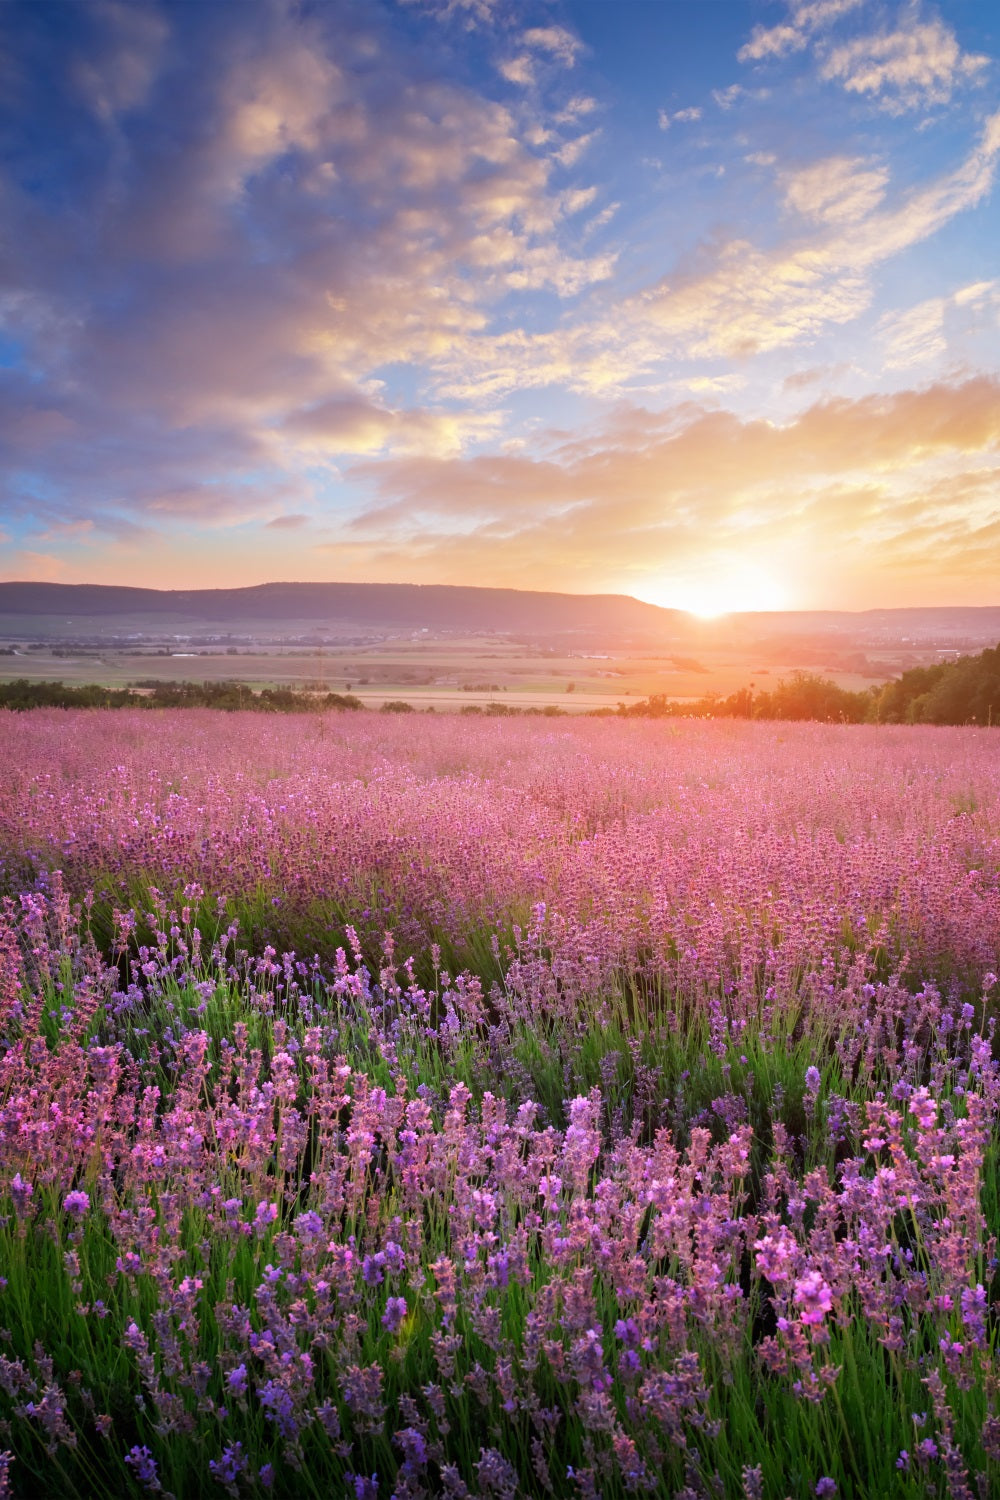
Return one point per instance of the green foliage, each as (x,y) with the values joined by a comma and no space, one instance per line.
(151,693)
(804,695)
(966,691)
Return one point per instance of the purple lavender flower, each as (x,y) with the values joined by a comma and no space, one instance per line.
(395,1312)
(230,1465)
(21,1192)
(142,1462)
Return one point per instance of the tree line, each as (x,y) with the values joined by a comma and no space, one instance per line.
(964,691)
(229,696)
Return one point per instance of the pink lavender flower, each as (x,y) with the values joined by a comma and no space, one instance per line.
(76,1203)
(814,1297)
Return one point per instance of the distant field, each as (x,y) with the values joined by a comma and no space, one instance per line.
(449,674)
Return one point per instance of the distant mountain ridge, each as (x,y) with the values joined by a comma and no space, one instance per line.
(31,609)
(398,605)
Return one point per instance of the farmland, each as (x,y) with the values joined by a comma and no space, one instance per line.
(462,1106)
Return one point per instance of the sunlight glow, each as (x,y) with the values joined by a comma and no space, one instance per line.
(731,588)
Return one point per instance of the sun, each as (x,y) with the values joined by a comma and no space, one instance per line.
(729,588)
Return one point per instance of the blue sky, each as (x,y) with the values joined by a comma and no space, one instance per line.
(699,302)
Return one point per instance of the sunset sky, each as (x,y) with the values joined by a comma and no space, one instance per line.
(695,301)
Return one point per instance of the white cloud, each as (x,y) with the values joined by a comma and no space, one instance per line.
(580,104)
(518,70)
(680,117)
(556,40)
(472,12)
(915,65)
(836,190)
(754,299)
(919,64)
(570,153)
(938,326)
(794,35)
(771,41)
(726,98)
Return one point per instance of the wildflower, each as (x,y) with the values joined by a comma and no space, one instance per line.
(814,1297)
(923,1108)
(237,1380)
(414,1447)
(265,1215)
(395,1312)
(627,1331)
(309,1225)
(76,1203)
(21,1192)
(142,1462)
(825,1487)
(496,1475)
(364,1489)
(228,1468)
(279,1407)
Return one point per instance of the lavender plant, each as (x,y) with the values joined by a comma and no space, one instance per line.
(652,1149)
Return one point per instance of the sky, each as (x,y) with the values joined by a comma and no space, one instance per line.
(698,302)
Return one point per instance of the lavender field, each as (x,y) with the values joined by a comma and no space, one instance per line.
(424,1106)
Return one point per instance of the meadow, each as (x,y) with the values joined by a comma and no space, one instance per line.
(438,1106)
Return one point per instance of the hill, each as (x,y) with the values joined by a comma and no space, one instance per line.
(44,610)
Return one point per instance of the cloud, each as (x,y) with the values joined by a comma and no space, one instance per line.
(938,326)
(679,117)
(520,70)
(793,35)
(40,567)
(471,13)
(358,425)
(918,65)
(575,108)
(735,298)
(570,153)
(313,212)
(754,299)
(771,41)
(292,522)
(115,72)
(837,190)
(219,503)
(868,486)
(556,41)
